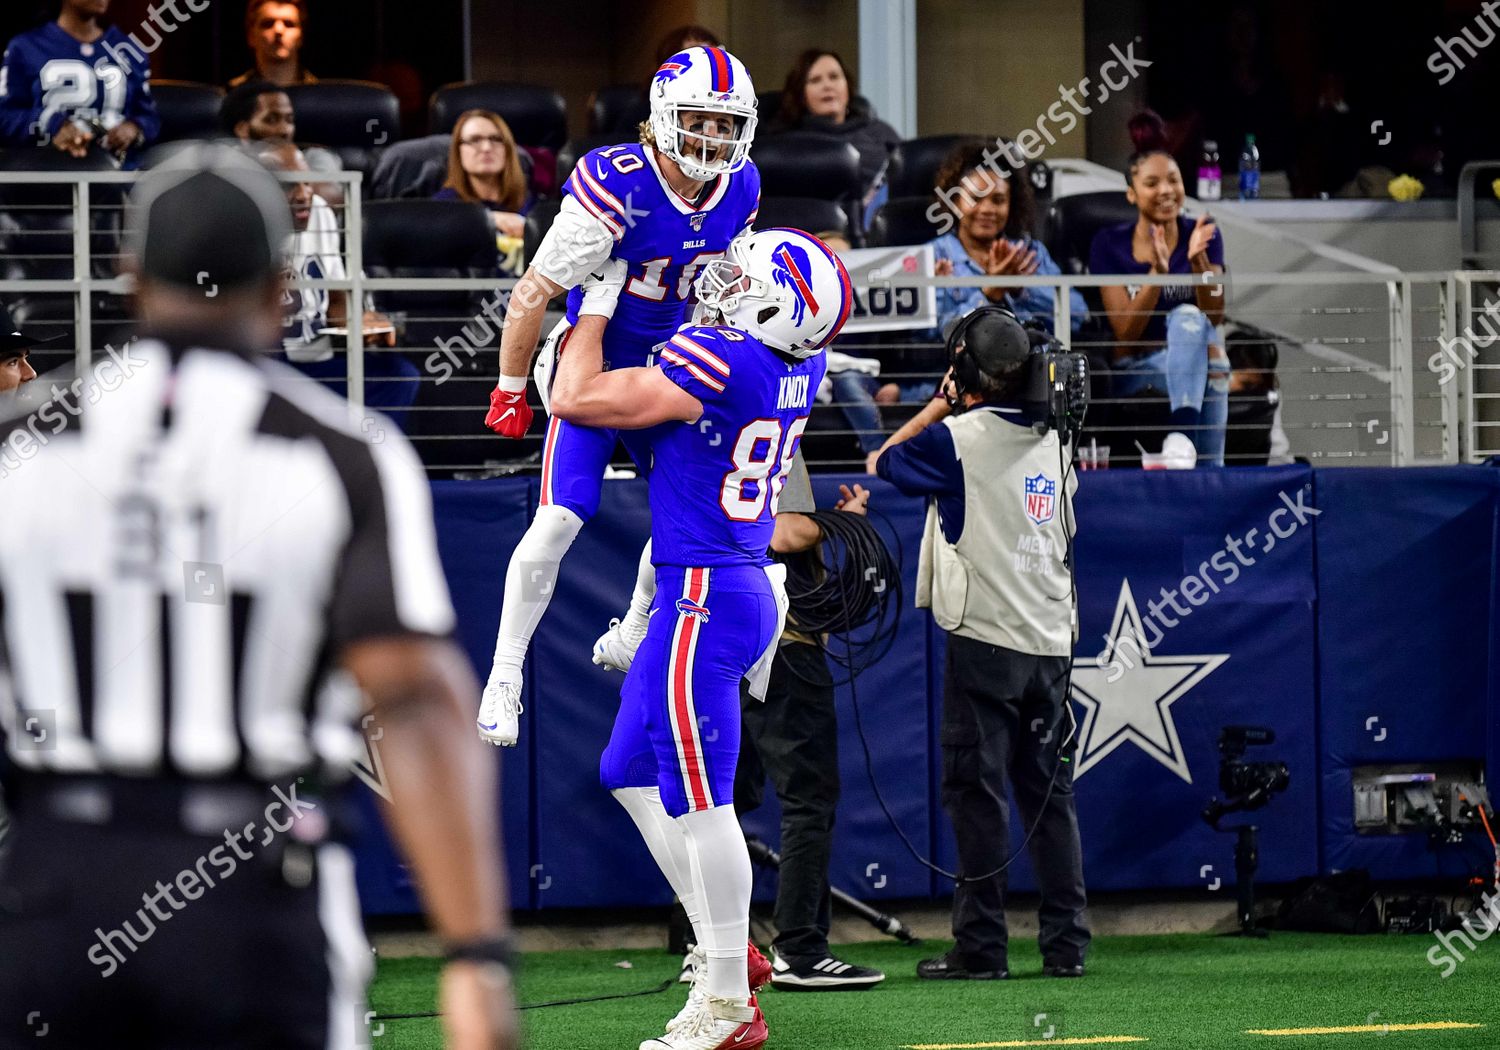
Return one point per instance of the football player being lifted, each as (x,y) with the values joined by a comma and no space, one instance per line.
(665,206)
(726,405)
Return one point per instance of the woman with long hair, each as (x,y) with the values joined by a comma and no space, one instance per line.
(819,95)
(1167,336)
(484,166)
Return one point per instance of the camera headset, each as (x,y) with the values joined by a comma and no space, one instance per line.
(991,343)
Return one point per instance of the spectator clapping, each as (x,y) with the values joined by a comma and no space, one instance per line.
(1167,335)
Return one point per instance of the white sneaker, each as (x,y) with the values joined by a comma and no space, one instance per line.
(499,719)
(716,1024)
(616,647)
(1177,453)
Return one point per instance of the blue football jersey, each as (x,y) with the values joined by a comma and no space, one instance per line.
(48,75)
(665,239)
(715,483)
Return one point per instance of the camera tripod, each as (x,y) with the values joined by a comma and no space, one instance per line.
(1246,861)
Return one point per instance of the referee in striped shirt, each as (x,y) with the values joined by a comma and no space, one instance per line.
(207,562)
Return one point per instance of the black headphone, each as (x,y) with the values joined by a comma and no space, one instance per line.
(967,374)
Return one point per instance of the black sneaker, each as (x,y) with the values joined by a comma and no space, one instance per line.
(820,975)
(951,967)
(1061,969)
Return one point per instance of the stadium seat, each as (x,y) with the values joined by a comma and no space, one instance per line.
(538,222)
(537,116)
(188,110)
(806,164)
(413,168)
(423,238)
(36,220)
(804,213)
(902,220)
(1072,222)
(410,238)
(915,162)
(356,114)
(617,110)
(567,157)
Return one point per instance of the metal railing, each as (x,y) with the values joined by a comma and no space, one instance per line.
(1360,376)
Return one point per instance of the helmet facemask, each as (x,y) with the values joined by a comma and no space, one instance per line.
(725,281)
(706,142)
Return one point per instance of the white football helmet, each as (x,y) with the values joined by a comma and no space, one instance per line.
(703,80)
(783,286)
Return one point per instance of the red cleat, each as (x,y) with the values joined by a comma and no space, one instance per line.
(750,1034)
(758,969)
(715,1025)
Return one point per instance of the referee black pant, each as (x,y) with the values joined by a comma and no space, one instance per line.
(135,933)
(793,738)
(1005,713)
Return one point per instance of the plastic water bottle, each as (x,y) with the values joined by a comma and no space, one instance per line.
(1249,170)
(1210,176)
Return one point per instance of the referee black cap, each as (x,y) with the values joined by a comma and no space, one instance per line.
(208,216)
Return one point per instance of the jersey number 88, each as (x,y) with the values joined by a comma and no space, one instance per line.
(752,469)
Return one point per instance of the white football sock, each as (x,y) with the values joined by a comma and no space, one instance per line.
(668,845)
(721,880)
(645,588)
(530,580)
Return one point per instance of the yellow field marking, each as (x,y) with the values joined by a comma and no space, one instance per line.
(1363,1029)
(1097,1040)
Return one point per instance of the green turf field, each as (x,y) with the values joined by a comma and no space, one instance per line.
(1181,992)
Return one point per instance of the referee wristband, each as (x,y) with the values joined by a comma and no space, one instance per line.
(497,950)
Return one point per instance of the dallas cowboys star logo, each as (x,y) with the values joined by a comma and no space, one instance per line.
(1137,705)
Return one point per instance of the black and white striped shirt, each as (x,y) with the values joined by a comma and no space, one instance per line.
(184,561)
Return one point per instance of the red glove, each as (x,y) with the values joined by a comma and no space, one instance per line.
(509,415)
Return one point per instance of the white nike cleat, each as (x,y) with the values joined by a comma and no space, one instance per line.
(615,649)
(695,973)
(499,719)
(716,1024)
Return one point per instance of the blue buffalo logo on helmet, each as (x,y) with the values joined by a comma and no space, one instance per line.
(792,269)
(675,66)
(692,610)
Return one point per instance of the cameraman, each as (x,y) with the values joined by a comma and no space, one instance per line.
(995,572)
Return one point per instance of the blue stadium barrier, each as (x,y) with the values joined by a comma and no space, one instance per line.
(1386,603)
(478,524)
(1406,627)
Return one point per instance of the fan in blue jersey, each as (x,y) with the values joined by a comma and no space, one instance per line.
(74,84)
(726,403)
(666,207)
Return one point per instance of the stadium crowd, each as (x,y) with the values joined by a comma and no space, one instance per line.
(1160,356)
